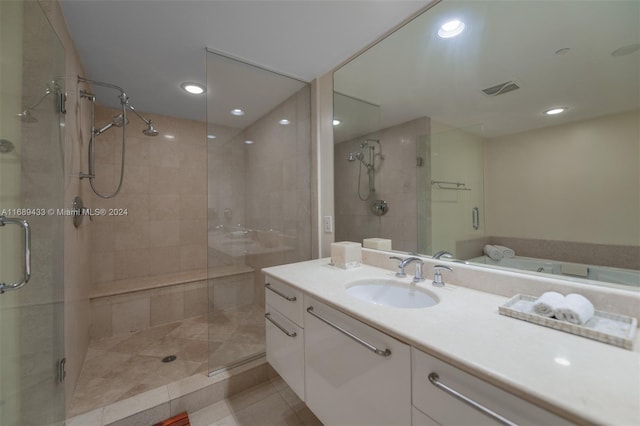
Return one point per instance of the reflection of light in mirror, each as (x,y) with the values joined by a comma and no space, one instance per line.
(248,142)
(211,136)
(336,122)
(451,29)
(193,88)
(555,111)
(284,122)
(562,361)
(237,112)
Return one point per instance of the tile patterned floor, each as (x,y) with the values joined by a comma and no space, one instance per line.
(269,404)
(119,367)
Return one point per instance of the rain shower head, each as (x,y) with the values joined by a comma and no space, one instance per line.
(150,130)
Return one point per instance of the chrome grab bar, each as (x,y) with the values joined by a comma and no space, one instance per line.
(284,330)
(27,253)
(377,351)
(435,380)
(284,296)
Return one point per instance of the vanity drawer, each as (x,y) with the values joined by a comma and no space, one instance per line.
(285,349)
(347,383)
(445,409)
(285,299)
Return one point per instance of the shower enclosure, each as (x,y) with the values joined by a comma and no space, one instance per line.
(31,192)
(259,197)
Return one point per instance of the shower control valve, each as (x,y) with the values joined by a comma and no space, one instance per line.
(379,207)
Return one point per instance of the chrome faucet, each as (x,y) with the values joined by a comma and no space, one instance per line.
(442,253)
(437,276)
(404,262)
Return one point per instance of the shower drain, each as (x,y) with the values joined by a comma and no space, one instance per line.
(169,358)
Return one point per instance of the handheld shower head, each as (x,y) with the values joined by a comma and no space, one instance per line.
(26,116)
(118,121)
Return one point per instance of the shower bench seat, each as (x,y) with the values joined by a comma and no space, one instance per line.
(125,306)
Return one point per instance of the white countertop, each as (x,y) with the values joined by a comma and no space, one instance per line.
(575,377)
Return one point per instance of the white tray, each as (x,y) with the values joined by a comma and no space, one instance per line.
(614,329)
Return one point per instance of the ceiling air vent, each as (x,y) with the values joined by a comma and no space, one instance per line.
(500,89)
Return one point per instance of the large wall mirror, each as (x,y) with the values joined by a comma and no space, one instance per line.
(522,130)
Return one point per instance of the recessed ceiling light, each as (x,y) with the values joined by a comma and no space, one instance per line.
(193,88)
(248,142)
(211,136)
(451,28)
(169,136)
(562,361)
(284,122)
(555,111)
(237,112)
(336,122)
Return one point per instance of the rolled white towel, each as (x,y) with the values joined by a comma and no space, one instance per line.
(575,309)
(492,252)
(547,304)
(506,251)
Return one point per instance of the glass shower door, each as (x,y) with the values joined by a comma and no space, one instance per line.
(31,231)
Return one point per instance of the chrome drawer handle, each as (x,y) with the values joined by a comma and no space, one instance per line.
(377,351)
(284,296)
(435,380)
(26,256)
(284,330)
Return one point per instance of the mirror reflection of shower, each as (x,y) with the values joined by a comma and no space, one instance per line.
(120,120)
(27,116)
(366,156)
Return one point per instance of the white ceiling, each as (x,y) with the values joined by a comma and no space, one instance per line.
(150,47)
(414,74)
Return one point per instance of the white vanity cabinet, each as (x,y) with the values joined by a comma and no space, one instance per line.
(355,374)
(285,332)
(437,405)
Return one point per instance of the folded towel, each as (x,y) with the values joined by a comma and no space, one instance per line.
(493,252)
(547,304)
(506,251)
(575,309)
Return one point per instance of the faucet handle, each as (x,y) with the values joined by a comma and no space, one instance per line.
(437,276)
(400,272)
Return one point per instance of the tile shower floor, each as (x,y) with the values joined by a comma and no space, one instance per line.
(119,367)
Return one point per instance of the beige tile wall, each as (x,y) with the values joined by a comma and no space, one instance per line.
(395,183)
(127,313)
(77,241)
(164,193)
(277,179)
(265,187)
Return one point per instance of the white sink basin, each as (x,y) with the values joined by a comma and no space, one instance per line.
(389,292)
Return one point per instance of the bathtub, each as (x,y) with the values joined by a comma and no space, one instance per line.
(628,277)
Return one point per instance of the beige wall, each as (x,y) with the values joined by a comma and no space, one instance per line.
(575,182)
(395,182)
(77,242)
(164,192)
(456,156)
(322,163)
